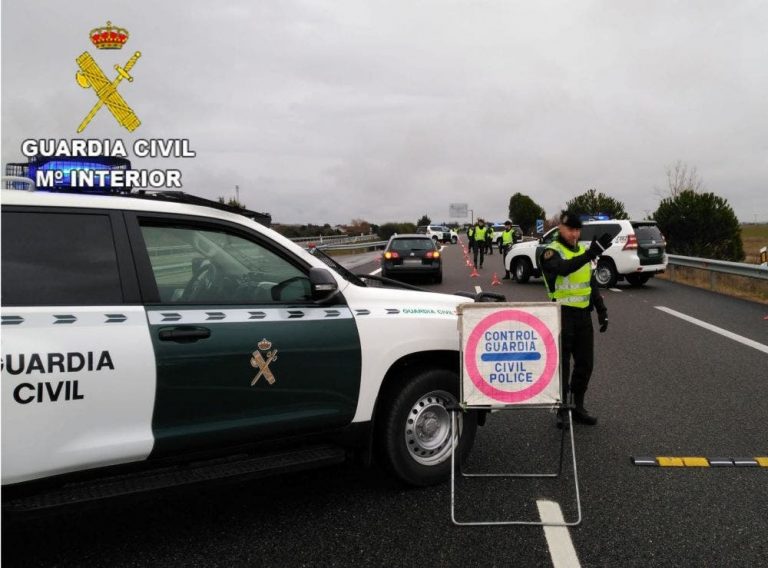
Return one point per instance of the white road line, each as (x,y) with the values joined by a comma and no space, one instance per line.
(558,538)
(375,272)
(478,289)
(615,290)
(724,332)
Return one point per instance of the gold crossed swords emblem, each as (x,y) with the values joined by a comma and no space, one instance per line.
(258,362)
(91,75)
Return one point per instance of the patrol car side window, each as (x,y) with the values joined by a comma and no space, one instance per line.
(587,232)
(195,265)
(59,259)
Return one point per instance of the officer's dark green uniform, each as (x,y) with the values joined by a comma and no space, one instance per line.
(479,232)
(569,280)
(507,240)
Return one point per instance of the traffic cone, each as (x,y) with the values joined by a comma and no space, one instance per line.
(474,273)
(495,281)
(468,262)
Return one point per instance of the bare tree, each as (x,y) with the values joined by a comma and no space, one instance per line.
(681,178)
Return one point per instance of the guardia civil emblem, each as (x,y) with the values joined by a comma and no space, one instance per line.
(90,75)
(261,359)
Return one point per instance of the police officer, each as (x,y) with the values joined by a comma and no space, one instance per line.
(508,238)
(489,237)
(479,232)
(569,278)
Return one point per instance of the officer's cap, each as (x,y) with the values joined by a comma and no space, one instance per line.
(507,222)
(570,219)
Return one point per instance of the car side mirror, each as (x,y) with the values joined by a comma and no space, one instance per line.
(322,284)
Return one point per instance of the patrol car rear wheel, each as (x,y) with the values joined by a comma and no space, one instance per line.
(415,437)
(637,279)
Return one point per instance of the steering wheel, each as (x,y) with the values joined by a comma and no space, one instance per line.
(203,281)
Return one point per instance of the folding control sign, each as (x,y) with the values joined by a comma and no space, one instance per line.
(510,354)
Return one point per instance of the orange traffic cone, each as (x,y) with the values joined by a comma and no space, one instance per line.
(474,273)
(468,263)
(495,281)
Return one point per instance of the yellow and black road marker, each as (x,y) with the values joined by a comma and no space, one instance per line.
(697,461)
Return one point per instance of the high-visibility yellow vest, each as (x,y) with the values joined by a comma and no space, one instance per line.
(480,233)
(506,237)
(573,290)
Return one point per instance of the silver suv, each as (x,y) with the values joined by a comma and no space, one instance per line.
(637,252)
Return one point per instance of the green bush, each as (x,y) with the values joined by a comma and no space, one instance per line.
(388,229)
(701,225)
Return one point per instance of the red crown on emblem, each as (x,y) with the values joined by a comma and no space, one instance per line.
(109,37)
(264,344)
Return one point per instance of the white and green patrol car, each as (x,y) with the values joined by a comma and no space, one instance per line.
(148,343)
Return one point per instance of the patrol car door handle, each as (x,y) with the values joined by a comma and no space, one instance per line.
(184,334)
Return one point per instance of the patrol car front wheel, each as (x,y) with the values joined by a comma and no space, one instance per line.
(415,435)
(522,269)
(606,274)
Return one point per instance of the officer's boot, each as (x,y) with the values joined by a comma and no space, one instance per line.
(506,275)
(580,413)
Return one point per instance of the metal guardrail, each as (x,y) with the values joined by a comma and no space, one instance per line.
(340,239)
(722,266)
(353,246)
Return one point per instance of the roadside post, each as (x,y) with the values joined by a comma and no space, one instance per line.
(510,361)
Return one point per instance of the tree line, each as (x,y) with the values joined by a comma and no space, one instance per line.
(693,221)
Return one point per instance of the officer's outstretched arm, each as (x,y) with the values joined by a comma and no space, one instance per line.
(556,264)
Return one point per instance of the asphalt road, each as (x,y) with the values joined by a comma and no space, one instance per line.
(662,386)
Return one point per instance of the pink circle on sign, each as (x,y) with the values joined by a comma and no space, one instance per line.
(549,366)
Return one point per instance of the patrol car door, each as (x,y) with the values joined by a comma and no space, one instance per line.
(243,354)
(78,372)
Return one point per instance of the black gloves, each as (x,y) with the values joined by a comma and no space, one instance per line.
(602,319)
(597,246)
(594,249)
(605,240)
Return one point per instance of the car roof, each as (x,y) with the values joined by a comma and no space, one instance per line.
(102,201)
(126,203)
(598,221)
(410,236)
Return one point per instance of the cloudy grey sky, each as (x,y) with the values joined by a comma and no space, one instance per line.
(324,111)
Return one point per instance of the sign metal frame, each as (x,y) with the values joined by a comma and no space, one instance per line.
(526,314)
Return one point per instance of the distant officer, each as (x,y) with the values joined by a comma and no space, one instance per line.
(479,232)
(471,237)
(568,275)
(489,237)
(508,238)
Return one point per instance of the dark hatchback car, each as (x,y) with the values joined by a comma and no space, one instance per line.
(412,255)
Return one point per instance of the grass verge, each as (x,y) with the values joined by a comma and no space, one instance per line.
(753,289)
